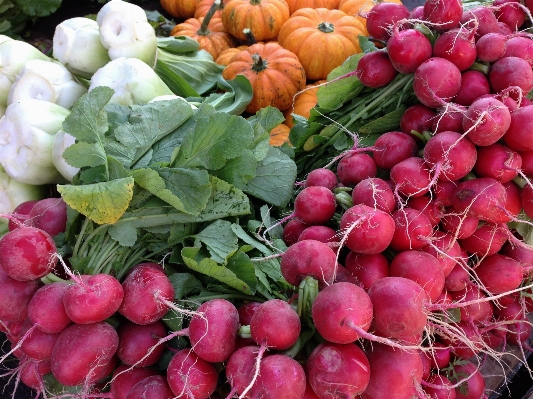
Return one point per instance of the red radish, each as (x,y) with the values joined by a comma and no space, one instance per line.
(466,341)
(385,362)
(436,81)
(321,177)
(516,136)
(375,69)
(125,377)
(50,215)
(449,118)
(520,46)
(337,308)
(38,345)
(375,193)
(136,340)
(146,289)
(367,269)
(93,298)
(491,47)
(486,121)
(499,162)
(458,278)
(31,373)
(499,273)
(292,231)
(393,147)
(521,253)
(408,49)
(426,205)
(442,192)
(451,154)
(240,368)
(510,14)
(440,355)
(83,352)
(366,230)
(213,330)
(353,168)
(480,311)
(486,240)
(380,20)
(458,225)
(483,198)
(46,308)
(417,117)
(456,45)
(399,307)
(412,231)
(474,384)
(266,321)
(440,388)
(482,19)
(315,205)
(20,214)
(308,258)
(152,387)
(15,297)
(411,177)
(319,233)
(246,311)
(527,162)
(443,14)
(511,71)
(422,268)
(336,370)
(27,253)
(474,84)
(189,376)
(271,386)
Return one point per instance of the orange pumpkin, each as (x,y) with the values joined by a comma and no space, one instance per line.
(303,102)
(297,4)
(180,8)
(263,17)
(359,8)
(203,7)
(321,38)
(207,31)
(275,73)
(225,56)
(279,135)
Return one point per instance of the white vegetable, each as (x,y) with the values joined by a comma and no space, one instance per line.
(63,140)
(48,81)
(126,32)
(26,137)
(77,45)
(134,81)
(13,55)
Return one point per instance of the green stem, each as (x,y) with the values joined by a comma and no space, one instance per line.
(204,30)
(52,278)
(229,296)
(90,236)
(79,239)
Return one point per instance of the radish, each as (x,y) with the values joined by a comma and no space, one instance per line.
(375,69)
(337,308)
(449,118)
(510,14)
(482,19)
(124,378)
(27,253)
(323,234)
(491,47)
(337,370)
(240,369)
(439,387)
(280,377)
(367,269)
(393,147)
(520,46)
(83,352)
(50,215)
(417,117)
(411,177)
(408,49)
(499,162)
(379,20)
(425,204)
(375,193)
(445,249)
(314,205)
(151,387)
(478,309)
(499,273)
(46,308)
(474,84)
(354,168)
(136,340)
(458,225)
(456,45)
(93,298)
(487,240)
(473,383)
(486,121)
(292,230)
(321,177)
(366,230)
(443,14)
(189,376)
(412,229)
(38,345)
(20,214)
(15,297)
(516,136)
(266,321)
(436,81)
(511,71)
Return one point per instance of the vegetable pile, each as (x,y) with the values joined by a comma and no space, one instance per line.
(385,252)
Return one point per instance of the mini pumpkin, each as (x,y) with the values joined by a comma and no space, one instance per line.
(322,39)
(303,102)
(180,8)
(207,31)
(263,17)
(225,56)
(297,4)
(275,74)
(203,7)
(279,135)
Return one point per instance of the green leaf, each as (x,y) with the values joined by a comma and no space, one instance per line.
(88,120)
(386,123)
(219,239)
(237,94)
(275,177)
(333,94)
(178,44)
(101,202)
(366,44)
(40,8)
(124,234)
(239,171)
(185,284)
(84,154)
(268,117)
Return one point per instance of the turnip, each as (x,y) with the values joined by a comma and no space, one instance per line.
(152,387)
(375,193)
(136,340)
(486,121)
(191,377)
(393,147)
(408,49)
(367,269)
(83,352)
(436,81)
(336,370)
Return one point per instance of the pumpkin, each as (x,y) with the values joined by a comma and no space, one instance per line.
(303,102)
(279,135)
(179,8)
(297,4)
(322,39)
(359,8)
(225,56)
(263,17)
(275,74)
(207,31)
(203,7)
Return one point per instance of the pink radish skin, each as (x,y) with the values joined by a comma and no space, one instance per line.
(375,193)
(354,168)
(213,330)
(191,377)
(445,249)
(38,345)
(428,207)
(368,230)
(152,387)
(412,230)
(477,312)
(486,121)
(483,18)
(27,253)
(271,386)
(499,273)
(46,308)
(499,162)
(50,215)
(509,13)
(380,19)
(456,45)
(322,177)
(83,352)
(516,136)
(93,299)
(411,177)
(308,258)
(442,192)
(474,84)
(336,370)
(475,383)
(443,14)
(445,390)
(240,368)
(520,46)
(339,306)
(323,234)
(419,118)
(511,71)
(393,147)
(31,373)
(399,307)
(375,69)
(315,205)
(144,288)
(266,321)
(20,215)
(458,225)
(436,81)
(408,49)
(486,240)
(491,47)
(449,118)
(136,340)
(15,297)
(367,269)
(292,231)
(124,378)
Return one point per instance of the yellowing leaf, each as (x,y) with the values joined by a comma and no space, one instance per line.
(103,203)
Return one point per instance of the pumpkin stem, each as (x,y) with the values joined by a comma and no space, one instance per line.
(204,30)
(259,63)
(255,2)
(326,27)
(250,38)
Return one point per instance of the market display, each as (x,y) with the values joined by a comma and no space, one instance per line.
(282,199)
